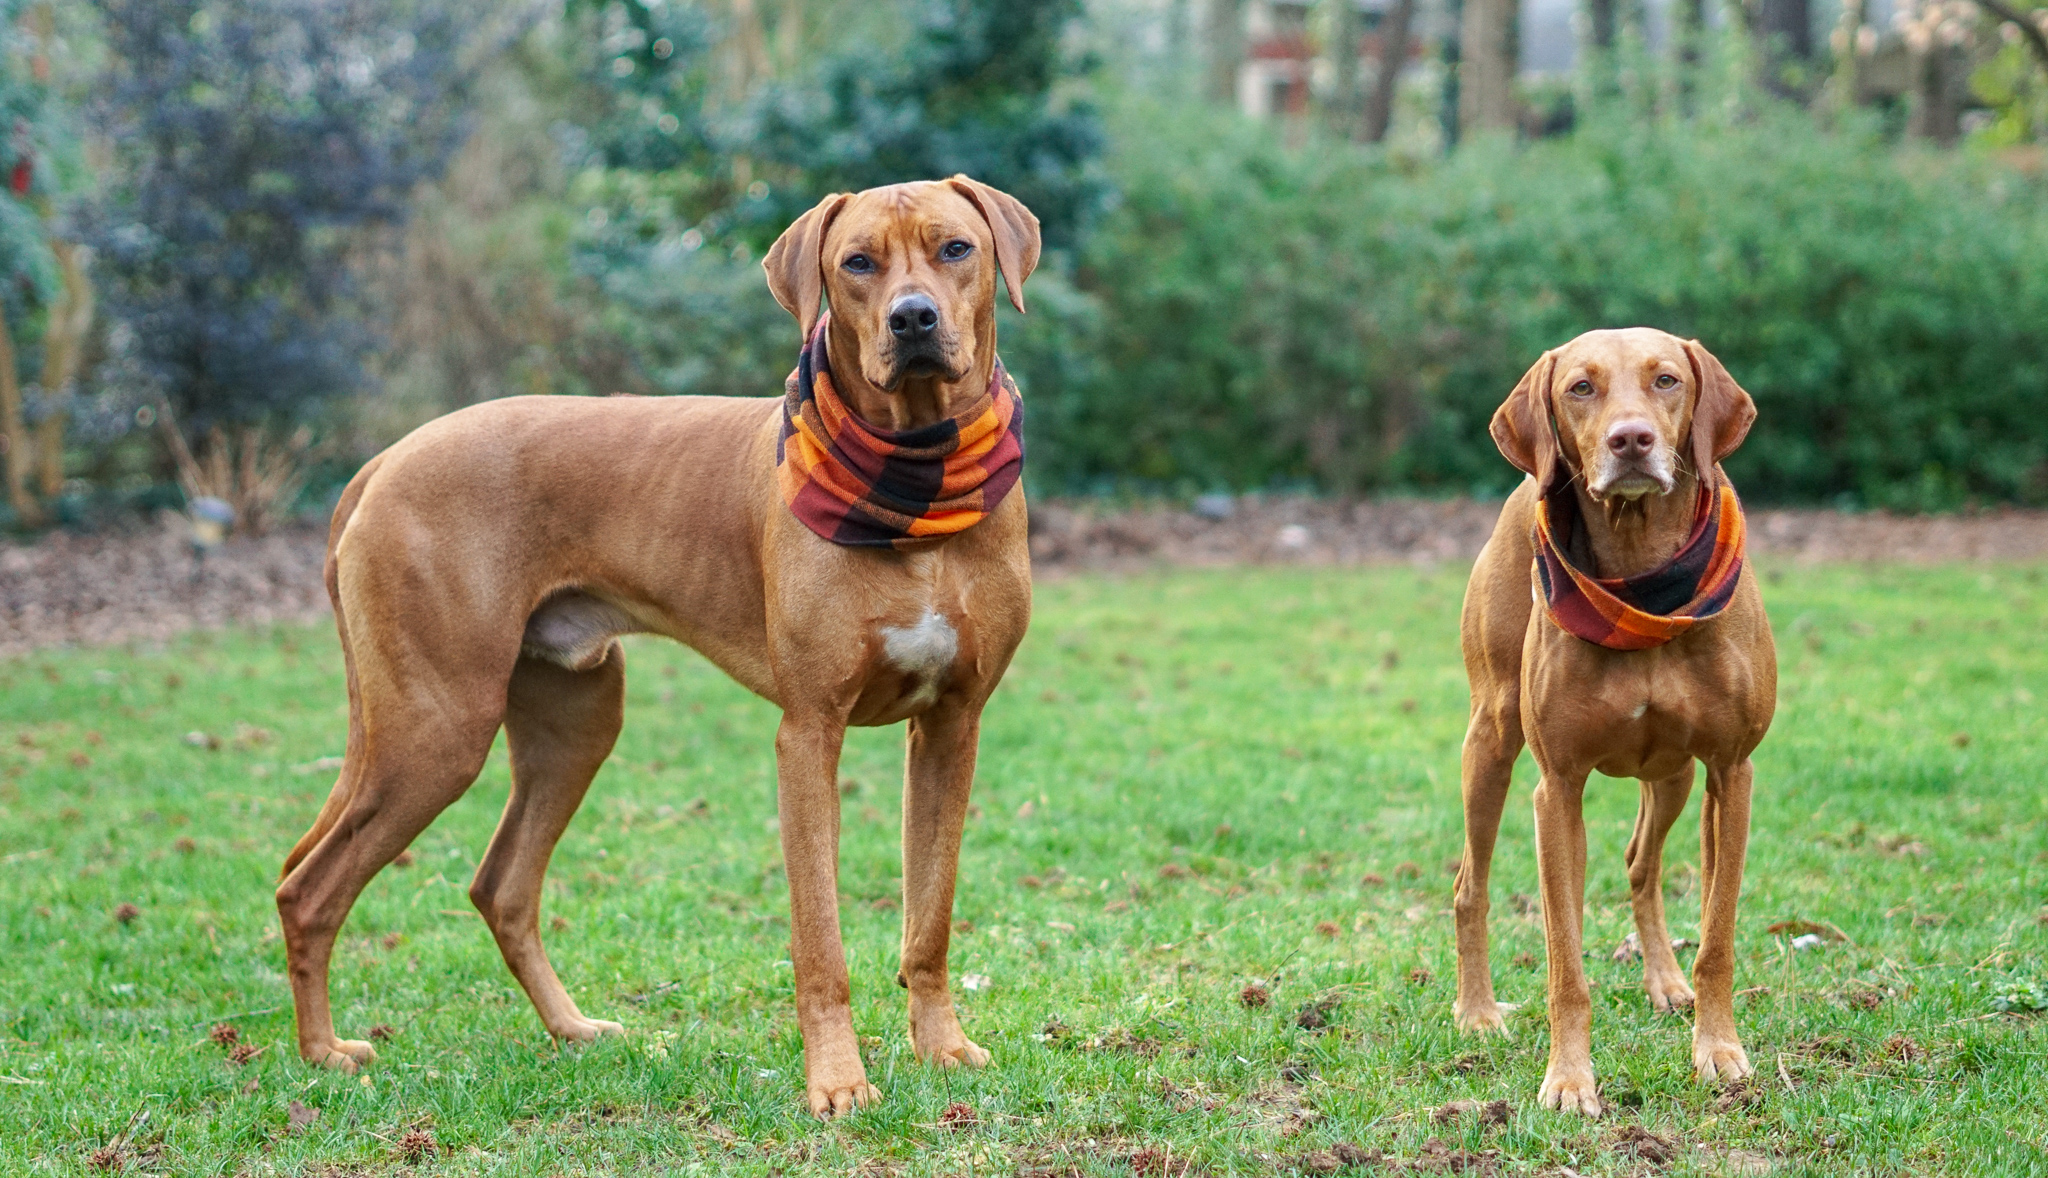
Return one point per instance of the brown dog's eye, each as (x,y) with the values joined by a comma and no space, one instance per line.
(1667,381)
(1582,389)
(953,251)
(859,263)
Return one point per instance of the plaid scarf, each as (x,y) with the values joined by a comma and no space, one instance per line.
(857,485)
(1649,609)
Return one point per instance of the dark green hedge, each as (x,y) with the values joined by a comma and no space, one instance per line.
(1251,314)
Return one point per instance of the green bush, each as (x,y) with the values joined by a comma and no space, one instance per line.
(1254,315)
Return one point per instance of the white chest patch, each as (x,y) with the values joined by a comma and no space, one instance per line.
(1640,709)
(924,651)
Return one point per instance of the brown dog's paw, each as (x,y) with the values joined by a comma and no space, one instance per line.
(1668,994)
(1723,1061)
(585,1030)
(1488,1018)
(343,1055)
(965,1054)
(1571,1092)
(829,1099)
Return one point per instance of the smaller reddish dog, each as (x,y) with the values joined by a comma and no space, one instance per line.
(1651,651)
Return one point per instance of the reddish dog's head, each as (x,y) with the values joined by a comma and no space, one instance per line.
(910,271)
(1631,408)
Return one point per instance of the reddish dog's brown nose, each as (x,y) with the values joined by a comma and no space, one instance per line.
(1632,439)
(913,318)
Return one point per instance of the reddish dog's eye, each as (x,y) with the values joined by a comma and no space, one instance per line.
(1667,381)
(1582,389)
(859,263)
(953,251)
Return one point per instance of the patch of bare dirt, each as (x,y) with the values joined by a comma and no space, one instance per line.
(1253,529)
(146,585)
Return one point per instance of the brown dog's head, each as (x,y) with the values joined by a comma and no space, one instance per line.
(1631,408)
(910,271)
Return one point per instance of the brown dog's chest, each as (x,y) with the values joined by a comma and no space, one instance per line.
(1707,694)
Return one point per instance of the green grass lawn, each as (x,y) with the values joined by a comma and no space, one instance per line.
(1190,783)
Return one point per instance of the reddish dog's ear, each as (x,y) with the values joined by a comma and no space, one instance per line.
(1721,415)
(1521,426)
(795,263)
(1015,229)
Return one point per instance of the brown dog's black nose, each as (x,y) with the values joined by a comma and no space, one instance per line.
(913,318)
(1632,439)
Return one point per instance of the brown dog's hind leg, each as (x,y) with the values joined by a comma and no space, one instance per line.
(938,774)
(1492,742)
(559,727)
(1724,843)
(1662,802)
(422,758)
(1561,871)
(807,750)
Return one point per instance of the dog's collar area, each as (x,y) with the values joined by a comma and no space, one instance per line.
(857,485)
(1651,608)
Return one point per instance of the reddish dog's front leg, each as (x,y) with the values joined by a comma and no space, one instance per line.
(1724,843)
(938,775)
(807,767)
(1561,873)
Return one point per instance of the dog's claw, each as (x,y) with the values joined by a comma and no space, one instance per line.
(968,1054)
(1722,1061)
(1669,995)
(1571,1093)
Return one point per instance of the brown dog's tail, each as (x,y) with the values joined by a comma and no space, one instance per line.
(352,753)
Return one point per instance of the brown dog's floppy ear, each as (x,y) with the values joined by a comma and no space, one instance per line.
(1015,228)
(1521,426)
(795,265)
(1721,415)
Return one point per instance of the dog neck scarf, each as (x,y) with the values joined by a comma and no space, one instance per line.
(1652,608)
(864,487)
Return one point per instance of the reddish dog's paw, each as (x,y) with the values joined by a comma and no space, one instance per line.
(1571,1092)
(966,1054)
(830,1099)
(1719,1060)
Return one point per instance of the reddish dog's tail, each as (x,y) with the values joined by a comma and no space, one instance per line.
(352,754)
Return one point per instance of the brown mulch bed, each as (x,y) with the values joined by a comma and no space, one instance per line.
(145,585)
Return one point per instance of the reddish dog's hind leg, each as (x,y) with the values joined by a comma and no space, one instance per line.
(1662,802)
(1492,742)
(419,761)
(938,774)
(559,727)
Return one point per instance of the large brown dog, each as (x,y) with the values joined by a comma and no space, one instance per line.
(482,568)
(1634,419)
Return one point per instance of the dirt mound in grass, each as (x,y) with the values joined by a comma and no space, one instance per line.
(146,584)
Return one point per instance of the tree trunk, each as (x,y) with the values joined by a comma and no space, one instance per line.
(1379,110)
(14,436)
(1345,108)
(63,349)
(1784,37)
(1600,24)
(1940,73)
(1226,48)
(1486,98)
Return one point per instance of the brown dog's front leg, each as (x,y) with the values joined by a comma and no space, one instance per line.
(938,776)
(1561,873)
(807,768)
(1724,842)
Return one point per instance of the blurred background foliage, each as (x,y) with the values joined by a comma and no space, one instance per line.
(250,242)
